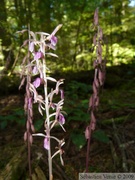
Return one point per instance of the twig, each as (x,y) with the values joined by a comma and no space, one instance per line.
(114,155)
(122,149)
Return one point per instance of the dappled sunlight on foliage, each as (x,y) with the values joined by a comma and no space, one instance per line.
(122,54)
(75,48)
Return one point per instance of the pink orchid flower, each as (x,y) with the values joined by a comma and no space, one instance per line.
(37,82)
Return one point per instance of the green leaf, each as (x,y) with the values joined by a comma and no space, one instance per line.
(11,117)
(3,124)
(21,121)
(19,112)
(78,139)
(2,118)
(38,124)
(101,136)
(79,117)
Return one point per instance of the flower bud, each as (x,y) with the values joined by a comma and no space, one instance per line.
(87,133)
(25,136)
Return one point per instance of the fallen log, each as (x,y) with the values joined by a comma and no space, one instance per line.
(16,166)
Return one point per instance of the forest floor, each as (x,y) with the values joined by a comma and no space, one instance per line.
(112,147)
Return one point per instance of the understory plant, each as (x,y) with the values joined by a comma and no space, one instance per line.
(98,82)
(34,75)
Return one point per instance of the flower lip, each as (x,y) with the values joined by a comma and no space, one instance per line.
(38,55)
(35,70)
(61,119)
(37,82)
(53,40)
(46,143)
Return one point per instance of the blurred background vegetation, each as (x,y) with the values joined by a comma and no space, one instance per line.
(75,37)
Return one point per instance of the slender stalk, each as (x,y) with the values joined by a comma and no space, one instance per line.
(28,117)
(29,158)
(88,151)
(48,122)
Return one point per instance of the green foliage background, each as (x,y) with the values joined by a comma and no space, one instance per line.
(75,37)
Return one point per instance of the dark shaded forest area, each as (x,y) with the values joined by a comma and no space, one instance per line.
(70,58)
